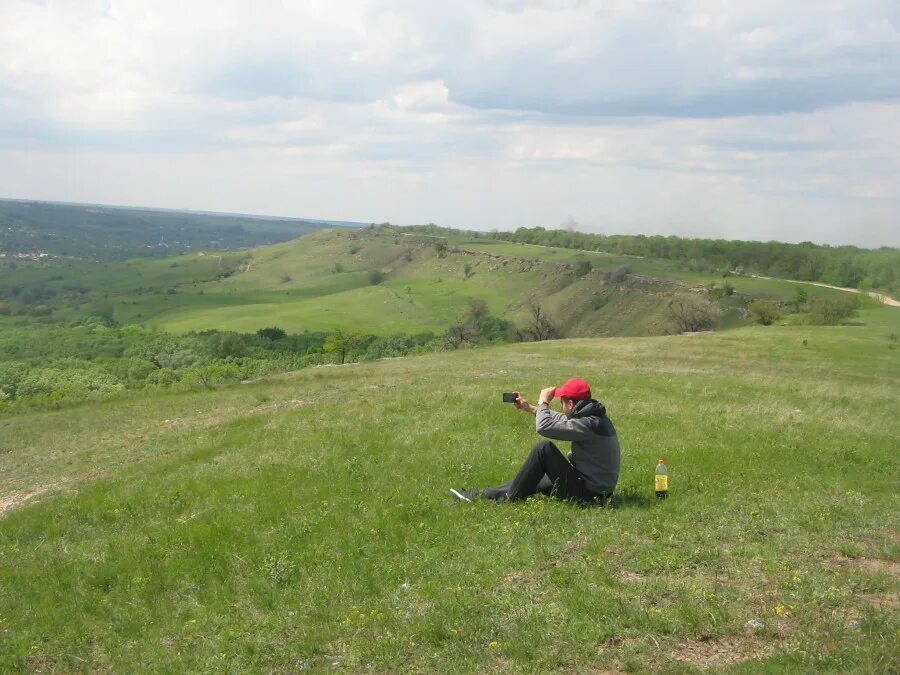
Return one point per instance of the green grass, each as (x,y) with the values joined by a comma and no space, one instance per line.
(319,282)
(302,522)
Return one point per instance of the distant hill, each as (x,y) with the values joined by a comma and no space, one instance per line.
(383,280)
(96,232)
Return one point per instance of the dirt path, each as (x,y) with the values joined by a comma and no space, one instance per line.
(881,297)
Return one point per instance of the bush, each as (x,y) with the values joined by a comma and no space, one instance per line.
(764,312)
(831,311)
(619,275)
(224,344)
(374,277)
(161,377)
(212,375)
(68,380)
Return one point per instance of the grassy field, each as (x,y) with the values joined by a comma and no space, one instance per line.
(302,522)
(322,281)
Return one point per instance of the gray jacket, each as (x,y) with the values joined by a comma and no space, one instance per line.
(595,446)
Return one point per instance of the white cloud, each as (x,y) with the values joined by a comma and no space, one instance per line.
(652,114)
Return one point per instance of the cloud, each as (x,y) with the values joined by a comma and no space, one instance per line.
(663,108)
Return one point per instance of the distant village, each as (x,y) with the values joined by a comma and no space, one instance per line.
(25,255)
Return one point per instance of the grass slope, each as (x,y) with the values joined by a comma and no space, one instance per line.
(302,522)
(321,281)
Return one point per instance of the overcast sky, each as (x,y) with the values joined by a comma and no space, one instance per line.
(742,119)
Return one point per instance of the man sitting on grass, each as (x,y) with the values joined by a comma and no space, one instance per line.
(592,470)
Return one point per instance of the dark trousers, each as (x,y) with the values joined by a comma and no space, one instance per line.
(545,470)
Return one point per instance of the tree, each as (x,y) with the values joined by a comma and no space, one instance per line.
(341,343)
(540,325)
(764,312)
(105,310)
(461,332)
(271,333)
(798,302)
(692,314)
(477,308)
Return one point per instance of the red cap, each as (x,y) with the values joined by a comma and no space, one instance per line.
(574,388)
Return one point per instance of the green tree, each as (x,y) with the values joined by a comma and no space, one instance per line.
(271,333)
(342,343)
(798,302)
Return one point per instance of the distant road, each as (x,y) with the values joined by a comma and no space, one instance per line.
(886,299)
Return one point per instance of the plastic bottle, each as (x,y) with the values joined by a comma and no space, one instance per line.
(662,480)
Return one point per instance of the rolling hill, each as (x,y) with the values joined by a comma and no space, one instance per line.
(387,279)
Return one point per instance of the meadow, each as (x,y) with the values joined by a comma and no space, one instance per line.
(325,280)
(302,521)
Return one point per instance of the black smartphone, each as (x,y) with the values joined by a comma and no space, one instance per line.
(510,397)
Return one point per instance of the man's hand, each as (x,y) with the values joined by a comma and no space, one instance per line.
(522,404)
(547,395)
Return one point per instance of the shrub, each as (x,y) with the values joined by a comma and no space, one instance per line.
(212,375)
(222,344)
(68,380)
(764,312)
(619,275)
(374,277)
(832,310)
(162,377)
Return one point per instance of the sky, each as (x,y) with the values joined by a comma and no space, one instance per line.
(736,119)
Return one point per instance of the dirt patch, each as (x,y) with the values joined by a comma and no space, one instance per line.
(519,577)
(872,565)
(627,575)
(708,651)
(879,566)
(16,499)
(886,600)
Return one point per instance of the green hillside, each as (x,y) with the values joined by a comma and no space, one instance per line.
(383,280)
(302,522)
